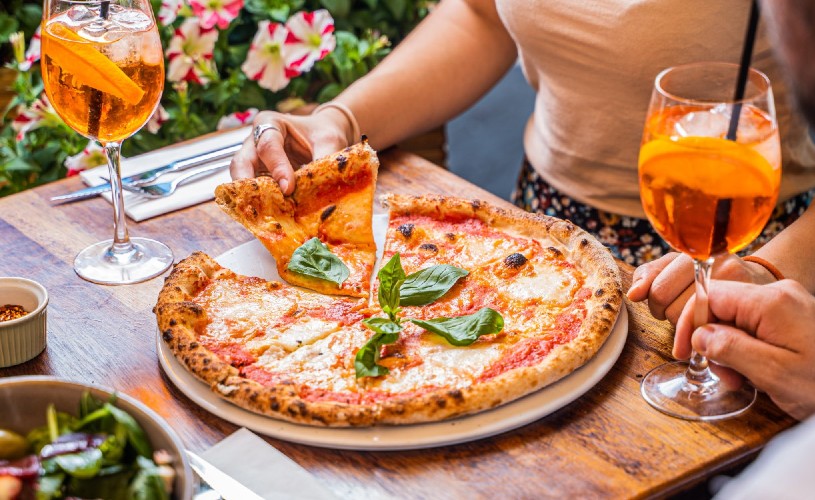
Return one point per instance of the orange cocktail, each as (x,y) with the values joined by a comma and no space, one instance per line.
(104,83)
(684,179)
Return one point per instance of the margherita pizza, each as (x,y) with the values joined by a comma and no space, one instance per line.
(473,307)
(332,202)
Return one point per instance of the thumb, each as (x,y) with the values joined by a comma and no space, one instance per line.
(730,347)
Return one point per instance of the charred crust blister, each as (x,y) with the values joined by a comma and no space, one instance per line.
(450,237)
(342,162)
(515,260)
(429,247)
(327,212)
(167,335)
(406,230)
(599,292)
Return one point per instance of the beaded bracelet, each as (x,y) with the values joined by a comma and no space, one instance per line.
(349,115)
(766,265)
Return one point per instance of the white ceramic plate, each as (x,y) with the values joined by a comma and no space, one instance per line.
(252,259)
(405,437)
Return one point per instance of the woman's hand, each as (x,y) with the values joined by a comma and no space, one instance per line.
(290,142)
(668,282)
(766,333)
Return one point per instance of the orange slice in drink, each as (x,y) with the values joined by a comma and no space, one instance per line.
(87,65)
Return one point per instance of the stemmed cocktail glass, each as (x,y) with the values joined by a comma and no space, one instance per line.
(103,71)
(708,185)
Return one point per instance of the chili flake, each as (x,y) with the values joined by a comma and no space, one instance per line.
(9,312)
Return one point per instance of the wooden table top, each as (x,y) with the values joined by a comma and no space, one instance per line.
(607,444)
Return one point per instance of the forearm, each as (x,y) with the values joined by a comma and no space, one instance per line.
(793,250)
(450,60)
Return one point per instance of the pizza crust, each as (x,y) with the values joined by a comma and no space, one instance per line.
(179,320)
(332,200)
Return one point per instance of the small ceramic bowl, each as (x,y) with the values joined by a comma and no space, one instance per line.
(24,401)
(23,338)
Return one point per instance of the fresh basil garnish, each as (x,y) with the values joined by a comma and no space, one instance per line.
(430,284)
(391,277)
(314,259)
(464,330)
(367,358)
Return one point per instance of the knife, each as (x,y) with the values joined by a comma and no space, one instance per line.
(227,486)
(150,175)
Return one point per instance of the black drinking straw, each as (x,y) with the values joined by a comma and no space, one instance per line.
(95,112)
(719,243)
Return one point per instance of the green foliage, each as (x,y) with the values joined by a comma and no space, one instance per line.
(365,30)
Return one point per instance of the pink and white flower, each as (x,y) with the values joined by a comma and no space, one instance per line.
(311,38)
(237,119)
(38,114)
(216,12)
(92,156)
(159,117)
(267,60)
(32,53)
(190,53)
(169,11)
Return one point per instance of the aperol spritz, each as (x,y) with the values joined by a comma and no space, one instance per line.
(710,171)
(103,71)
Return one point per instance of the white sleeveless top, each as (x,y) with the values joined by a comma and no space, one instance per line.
(593,64)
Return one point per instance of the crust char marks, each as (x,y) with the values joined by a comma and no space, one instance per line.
(179,319)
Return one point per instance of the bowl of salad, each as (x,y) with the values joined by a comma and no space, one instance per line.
(63,439)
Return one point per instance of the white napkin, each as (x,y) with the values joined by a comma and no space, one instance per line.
(139,208)
(264,470)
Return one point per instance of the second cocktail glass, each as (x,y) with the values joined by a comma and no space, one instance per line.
(707,192)
(103,71)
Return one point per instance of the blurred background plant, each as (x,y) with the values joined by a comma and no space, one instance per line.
(225,59)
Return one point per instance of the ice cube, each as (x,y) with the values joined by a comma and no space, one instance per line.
(131,19)
(704,123)
(79,15)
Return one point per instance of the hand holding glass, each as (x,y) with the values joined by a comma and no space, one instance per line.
(103,71)
(706,195)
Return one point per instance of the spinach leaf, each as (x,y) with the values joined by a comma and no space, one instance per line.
(366,360)
(50,486)
(391,277)
(148,484)
(84,465)
(135,435)
(111,484)
(314,259)
(430,284)
(464,330)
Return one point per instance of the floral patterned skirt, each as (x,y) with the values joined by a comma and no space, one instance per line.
(630,239)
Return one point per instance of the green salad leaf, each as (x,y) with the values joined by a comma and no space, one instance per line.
(313,258)
(83,465)
(464,330)
(429,285)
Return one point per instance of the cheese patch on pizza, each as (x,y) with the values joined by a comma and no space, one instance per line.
(320,236)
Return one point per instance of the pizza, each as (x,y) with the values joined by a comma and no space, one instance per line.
(332,202)
(491,305)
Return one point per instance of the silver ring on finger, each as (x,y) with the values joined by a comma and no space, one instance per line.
(259,129)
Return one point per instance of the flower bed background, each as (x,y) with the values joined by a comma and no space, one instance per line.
(225,59)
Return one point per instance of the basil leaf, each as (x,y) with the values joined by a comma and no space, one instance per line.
(382,325)
(391,277)
(464,330)
(430,284)
(365,362)
(84,465)
(314,259)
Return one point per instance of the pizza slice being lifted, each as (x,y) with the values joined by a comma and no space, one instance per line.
(320,236)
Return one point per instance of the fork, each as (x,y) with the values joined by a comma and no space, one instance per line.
(164,189)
